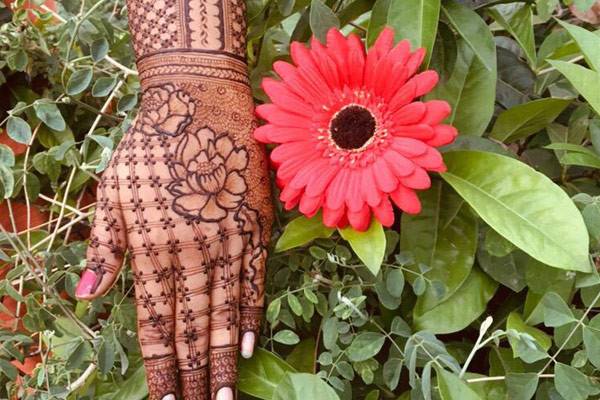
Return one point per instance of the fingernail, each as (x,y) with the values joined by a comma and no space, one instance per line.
(247,345)
(169,397)
(225,394)
(86,283)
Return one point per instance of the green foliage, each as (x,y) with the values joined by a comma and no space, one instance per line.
(510,231)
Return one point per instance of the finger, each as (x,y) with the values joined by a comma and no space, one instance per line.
(108,241)
(224,305)
(225,394)
(253,277)
(153,279)
(247,346)
(192,310)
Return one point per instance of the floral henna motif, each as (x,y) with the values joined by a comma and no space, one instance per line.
(207,176)
(167,111)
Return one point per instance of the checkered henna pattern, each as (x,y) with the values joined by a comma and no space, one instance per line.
(187,195)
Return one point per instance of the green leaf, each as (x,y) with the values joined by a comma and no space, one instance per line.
(470,90)
(260,375)
(133,388)
(106,356)
(556,311)
(394,282)
(302,386)
(302,358)
(521,386)
(591,340)
(365,345)
(572,384)
(7,157)
(415,20)
(7,180)
(588,42)
(286,336)
(103,86)
(516,19)
(295,304)
(18,130)
(522,205)
(581,159)
(322,19)
(79,81)
(50,114)
(520,349)
(127,102)
(369,246)
(451,387)
(301,231)
(99,49)
(525,119)
(507,270)
(8,369)
(460,309)
(473,30)
(443,237)
(586,81)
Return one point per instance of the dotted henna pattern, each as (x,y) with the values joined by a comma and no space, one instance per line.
(187,195)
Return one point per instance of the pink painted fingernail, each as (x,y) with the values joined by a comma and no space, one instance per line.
(86,283)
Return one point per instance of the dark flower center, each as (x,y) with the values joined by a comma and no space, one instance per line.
(352,127)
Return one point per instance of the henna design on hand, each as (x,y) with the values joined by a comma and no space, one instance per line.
(187,194)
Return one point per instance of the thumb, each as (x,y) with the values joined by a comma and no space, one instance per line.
(107,245)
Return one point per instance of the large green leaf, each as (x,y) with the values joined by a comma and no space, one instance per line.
(301,231)
(369,246)
(586,81)
(260,375)
(588,42)
(443,237)
(470,90)
(302,386)
(460,309)
(526,119)
(473,30)
(453,388)
(522,205)
(415,20)
(322,18)
(516,19)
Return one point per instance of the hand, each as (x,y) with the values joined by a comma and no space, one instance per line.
(187,194)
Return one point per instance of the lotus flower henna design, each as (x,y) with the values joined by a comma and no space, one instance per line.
(167,111)
(207,180)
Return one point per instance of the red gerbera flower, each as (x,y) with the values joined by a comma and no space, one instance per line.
(351,135)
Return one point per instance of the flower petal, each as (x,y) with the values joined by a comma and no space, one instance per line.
(400,165)
(437,111)
(309,205)
(384,212)
(283,97)
(354,200)
(336,192)
(419,179)
(410,114)
(332,217)
(278,116)
(370,192)
(384,177)
(360,220)
(443,134)
(407,200)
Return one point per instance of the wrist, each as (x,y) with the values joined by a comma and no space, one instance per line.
(192,66)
